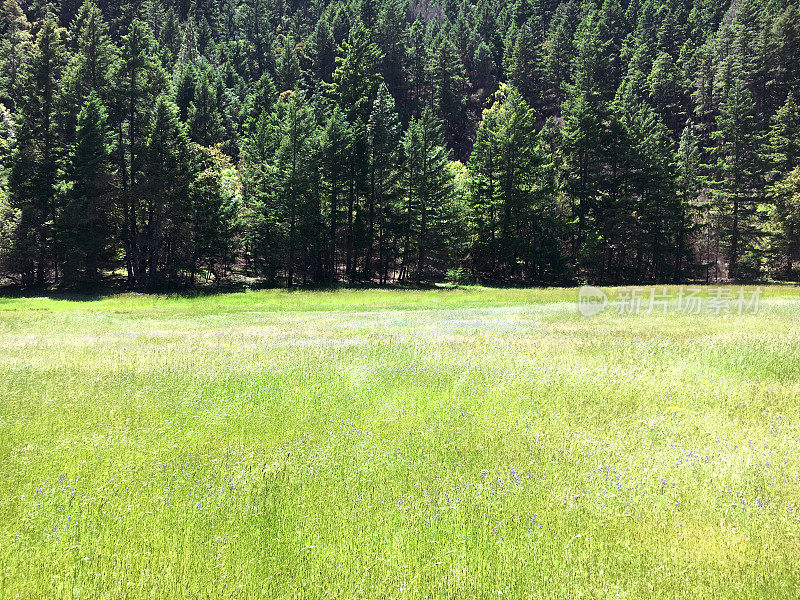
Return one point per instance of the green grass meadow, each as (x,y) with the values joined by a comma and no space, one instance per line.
(452,443)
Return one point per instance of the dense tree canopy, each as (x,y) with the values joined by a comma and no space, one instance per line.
(168,143)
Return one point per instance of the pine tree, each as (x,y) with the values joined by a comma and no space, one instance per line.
(505,173)
(37,155)
(139,79)
(655,203)
(635,86)
(354,88)
(784,138)
(205,37)
(85,228)
(748,55)
(185,89)
(604,182)
(560,50)
(523,10)
(739,190)
(428,181)
(335,148)
(295,183)
(207,11)
(170,35)
(613,27)
(160,220)
(527,70)
(153,13)
(355,80)
(91,66)
(15,39)
(586,148)
(288,74)
(487,26)
(384,137)
(462,34)
(485,71)
(229,18)
(283,192)
(448,97)
(391,39)
(785,54)
(418,69)
(368,13)
(323,51)
(204,114)
(261,100)
(783,156)
(669,92)
(258,32)
(189,52)
(688,186)
(593,60)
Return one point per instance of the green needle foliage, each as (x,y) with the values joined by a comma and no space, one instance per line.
(562,123)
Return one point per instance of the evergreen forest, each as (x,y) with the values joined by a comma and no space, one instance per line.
(171,143)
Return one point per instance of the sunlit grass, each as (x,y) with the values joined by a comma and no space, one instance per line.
(397,444)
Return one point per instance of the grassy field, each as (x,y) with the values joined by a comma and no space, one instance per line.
(469,443)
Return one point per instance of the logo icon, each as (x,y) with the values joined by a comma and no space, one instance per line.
(591,301)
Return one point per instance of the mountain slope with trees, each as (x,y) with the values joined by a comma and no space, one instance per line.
(169,143)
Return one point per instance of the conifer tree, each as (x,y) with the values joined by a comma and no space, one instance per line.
(448,79)
(294,173)
(85,226)
(586,143)
(786,193)
(91,66)
(739,190)
(185,89)
(323,51)
(669,92)
(288,74)
(783,156)
(15,39)
(37,155)
(784,138)
(427,181)
(418,69)
(204,116)
(355,80)
(485,69)
(560,50)
(140,80)
(688,165)
(384,137)
(655,204)
(160,219)
(672,142)
(354,88)
(261,99)
(335,159)
(259,33)
(785,54)
(526,72)
(391,39)
(505,173)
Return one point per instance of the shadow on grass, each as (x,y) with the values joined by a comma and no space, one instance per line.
(113,288)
